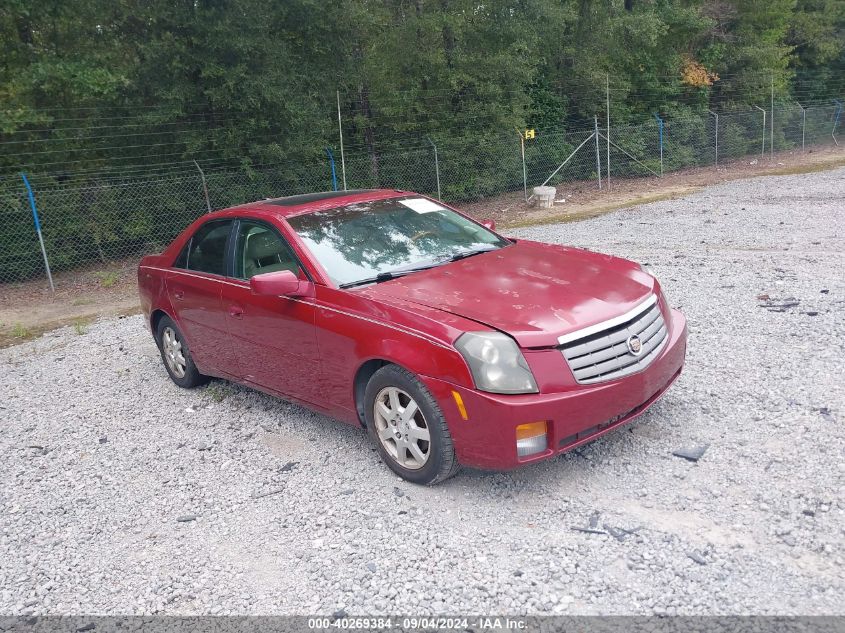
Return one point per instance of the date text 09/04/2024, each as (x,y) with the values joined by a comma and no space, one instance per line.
(491,623)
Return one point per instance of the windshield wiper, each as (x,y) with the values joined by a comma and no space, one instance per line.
(388,275)
(401,272)
(465,254)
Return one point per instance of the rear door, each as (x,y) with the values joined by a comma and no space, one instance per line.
(194,287)
(274,337)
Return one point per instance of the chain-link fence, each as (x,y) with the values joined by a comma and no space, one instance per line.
(92,219)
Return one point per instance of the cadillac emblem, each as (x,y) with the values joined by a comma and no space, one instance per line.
(635,346)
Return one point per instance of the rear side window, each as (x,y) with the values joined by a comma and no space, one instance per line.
(206,250)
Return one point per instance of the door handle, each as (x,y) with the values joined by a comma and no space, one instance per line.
(236,312)
(179,294)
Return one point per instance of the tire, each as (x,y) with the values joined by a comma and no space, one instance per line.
(396,430)
(175,355)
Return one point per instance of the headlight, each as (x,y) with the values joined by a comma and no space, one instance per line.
(496,363)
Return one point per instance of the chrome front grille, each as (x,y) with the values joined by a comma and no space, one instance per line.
(604,351)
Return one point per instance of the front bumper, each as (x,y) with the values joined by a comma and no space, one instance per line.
(487,438)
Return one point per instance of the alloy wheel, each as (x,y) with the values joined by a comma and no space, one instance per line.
(401,427)
(173,354)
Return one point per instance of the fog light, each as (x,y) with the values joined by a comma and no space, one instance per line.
(531,438)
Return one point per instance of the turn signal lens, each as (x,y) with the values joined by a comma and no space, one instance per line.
(532,429)
(460,404)
(531,438)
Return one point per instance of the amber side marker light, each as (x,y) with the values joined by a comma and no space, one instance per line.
(460,402)
(531,438)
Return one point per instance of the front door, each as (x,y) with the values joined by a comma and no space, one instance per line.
(194,286)
(274,338)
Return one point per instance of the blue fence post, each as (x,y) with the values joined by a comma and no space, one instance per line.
(331,164)
(38,229)
(660,128)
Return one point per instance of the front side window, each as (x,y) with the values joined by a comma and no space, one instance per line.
(260,249)
(361,241)
(206,250)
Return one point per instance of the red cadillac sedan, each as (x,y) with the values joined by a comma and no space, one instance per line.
(448,342)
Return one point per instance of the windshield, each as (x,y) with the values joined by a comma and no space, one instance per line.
(359,242)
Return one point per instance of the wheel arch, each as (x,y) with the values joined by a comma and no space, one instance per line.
(155,318)
(416,359)
(362,378)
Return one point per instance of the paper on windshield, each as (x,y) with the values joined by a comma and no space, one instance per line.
(422,205)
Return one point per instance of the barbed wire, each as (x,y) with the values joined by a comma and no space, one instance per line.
(414,141)
(106,197)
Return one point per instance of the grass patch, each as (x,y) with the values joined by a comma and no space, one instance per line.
(809,169)
(82,301)
(8,338)
(19,330)
(80,326)
(218,392)
(108,278)
(577,216)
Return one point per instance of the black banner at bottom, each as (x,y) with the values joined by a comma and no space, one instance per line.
(457,623)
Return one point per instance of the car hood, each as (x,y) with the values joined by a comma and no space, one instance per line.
(533,292)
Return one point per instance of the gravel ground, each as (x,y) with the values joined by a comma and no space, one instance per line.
(123,494)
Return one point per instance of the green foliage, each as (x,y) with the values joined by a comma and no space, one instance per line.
(108,278)
(219,391)
(80,326)
(134,88)
(255,81)
(19,330)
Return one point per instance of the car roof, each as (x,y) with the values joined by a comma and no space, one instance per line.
(306,198)
(311,202)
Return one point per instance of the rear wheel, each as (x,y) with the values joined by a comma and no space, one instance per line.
(176,355)
(408,427)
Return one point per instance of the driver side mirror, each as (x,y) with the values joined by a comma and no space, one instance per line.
(282,283)
(489,224)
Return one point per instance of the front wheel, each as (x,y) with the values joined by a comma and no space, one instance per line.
(408,427)
(176,355)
